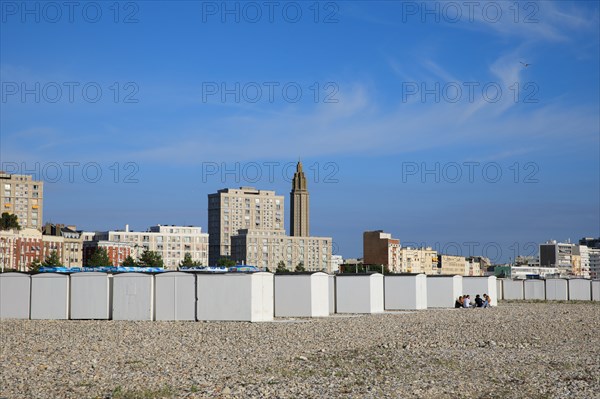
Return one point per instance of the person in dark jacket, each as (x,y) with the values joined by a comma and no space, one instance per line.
(459,302)
(478,301)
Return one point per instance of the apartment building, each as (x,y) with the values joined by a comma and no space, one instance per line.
(571,259)
(24,197)
(594,262)
(9,242)
(230,210)
(265,249)
(556,254)
(580,261)
(473,266)
(116,251)
(30,247)
(418,260)
(171,242)
(72,243)
(19,248)
(451,265)
(380,248)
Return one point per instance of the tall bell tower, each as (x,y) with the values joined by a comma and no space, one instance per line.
(299,205)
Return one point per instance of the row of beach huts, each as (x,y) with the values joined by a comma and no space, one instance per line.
(258,296)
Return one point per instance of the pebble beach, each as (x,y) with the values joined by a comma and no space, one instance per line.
(515,350)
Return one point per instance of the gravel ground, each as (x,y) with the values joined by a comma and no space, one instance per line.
(532,350)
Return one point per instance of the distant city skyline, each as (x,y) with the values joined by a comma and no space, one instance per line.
(469,133)
(488,248)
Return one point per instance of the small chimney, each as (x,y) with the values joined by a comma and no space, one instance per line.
(126,228)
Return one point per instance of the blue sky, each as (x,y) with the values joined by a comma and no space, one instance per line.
(389,90)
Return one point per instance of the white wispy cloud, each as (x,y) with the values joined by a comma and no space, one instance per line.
(550,21)
(357,126)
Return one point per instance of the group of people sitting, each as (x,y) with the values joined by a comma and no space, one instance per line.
(464,301)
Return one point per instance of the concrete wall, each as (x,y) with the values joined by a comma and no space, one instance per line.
(331,294)
(580,289)
(359,293)
(535,289)
(50,296)
(481,285)
(15,295)
(91,296)
(133,296)
(596,290)
(443,291)
(175,296)
(235,296)
(557,289)
(405,292)
(513,290)
(302,295)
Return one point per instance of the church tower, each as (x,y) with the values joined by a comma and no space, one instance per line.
(299,207)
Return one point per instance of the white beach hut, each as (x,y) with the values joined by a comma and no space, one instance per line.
(175,296)
(133,296)
(405,292)
(513,290)
(557,289)
(50,296)
(534,289)
(91,296)
(443,291)
(359,293)
(580,289)
(302,295)
(15,295)
(235,296)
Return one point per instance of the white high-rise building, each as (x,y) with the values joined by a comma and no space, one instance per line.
(594,259)
(230,210)
(570,259)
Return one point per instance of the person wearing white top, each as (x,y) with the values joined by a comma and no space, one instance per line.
(467,302)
